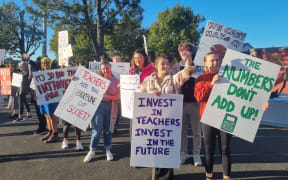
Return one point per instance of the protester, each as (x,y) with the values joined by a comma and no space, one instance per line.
(22,92)
(101,120)
(140,65)
(13,103)
(161,82)
(191,109)
(203,87)
(41,118)
(116,106)
(48,110)
(65,143)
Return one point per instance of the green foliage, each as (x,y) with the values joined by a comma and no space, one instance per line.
(13,23)
(125,38)
(174,26)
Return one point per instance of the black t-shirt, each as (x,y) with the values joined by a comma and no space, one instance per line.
(188,89)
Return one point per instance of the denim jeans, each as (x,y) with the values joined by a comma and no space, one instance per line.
(101,121)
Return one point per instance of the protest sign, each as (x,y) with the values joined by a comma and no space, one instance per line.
(64,48)
(50,85)
(128,85)
(94,66)
(118,68)
(235,103)
(17,79)
(5,81)
(2,55)
(82,98)
(156,130)
(217,38)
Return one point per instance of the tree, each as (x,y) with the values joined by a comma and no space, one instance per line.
(126,37)
(173,27)
(13,38)
(80,40)
(97,16)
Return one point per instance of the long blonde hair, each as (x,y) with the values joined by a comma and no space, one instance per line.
(205,59)
(46,59)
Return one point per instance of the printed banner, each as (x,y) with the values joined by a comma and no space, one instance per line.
(17,79)
(128,85)
(235,103)
(217,38)
(5,81)
(82,98)
(156,131)
(50,85)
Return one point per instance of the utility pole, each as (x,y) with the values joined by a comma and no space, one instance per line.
(22,37)
(44,47)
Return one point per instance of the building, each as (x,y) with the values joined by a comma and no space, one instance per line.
(278,55)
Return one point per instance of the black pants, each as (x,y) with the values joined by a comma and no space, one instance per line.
(118,116)
(164,174)
(224,141)
(22,102)
(41,117)
(66,131)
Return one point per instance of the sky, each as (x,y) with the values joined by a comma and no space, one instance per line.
(264,21)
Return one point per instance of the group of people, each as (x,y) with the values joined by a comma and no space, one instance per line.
(165,76)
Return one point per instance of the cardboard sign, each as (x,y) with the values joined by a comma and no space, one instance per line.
(2,55)
(82,98)
(156,132)
(128,85)
(119,68)
(235,103)
(50,85)
(17,79)
(94,66)
(217,38)
(64,48)
(5,81)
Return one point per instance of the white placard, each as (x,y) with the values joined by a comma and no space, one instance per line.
(82,98)
(2,55)
(50,85)
(217,38)
(94,66)
(156,130)
(235,103)
(118,68)
(128,85)
(62,39)
(17,79)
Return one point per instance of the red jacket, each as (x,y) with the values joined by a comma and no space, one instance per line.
(147,71)
(203,89)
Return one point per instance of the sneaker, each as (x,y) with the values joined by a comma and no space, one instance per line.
(109,155)
(79,146)
(64,145)
(27,117)
(197,160)
(13,116)
(184,157)
(89,156)
(18,120)
(40,131)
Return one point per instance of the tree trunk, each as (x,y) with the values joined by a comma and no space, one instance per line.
(22,37)
(100,33)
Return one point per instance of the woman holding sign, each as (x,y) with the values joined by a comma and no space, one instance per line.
(202,91)
(161,82)
(48,110)
(102,116)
